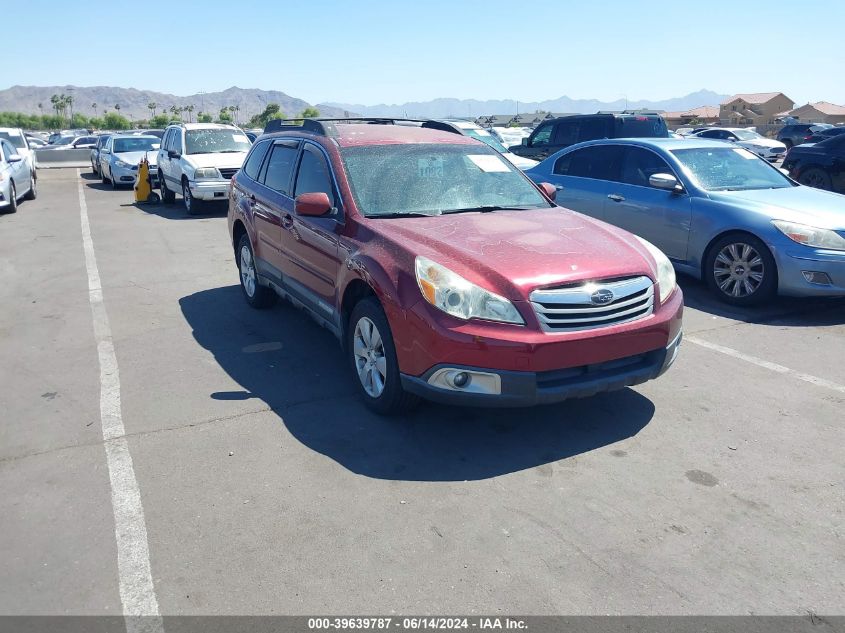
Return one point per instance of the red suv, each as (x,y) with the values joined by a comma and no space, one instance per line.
(444,271)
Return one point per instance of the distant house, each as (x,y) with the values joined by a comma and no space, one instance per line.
(818,112)
(703,115)
(760,108)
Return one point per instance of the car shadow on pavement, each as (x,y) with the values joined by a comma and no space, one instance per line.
(297,368)
(781,311)
(176,210)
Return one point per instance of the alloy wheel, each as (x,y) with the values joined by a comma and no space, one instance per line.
(247,271)
(370,360)
(739,270)
(186,195)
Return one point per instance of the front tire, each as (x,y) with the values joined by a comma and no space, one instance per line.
(167,196)
(192,205)
(13,199)
(256,295)
(817,178)
(740,270)
(372,358)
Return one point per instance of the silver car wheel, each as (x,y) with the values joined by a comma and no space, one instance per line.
(738,270)
(368,348)
(186,195)
(247,271)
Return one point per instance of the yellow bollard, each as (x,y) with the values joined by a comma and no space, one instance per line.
(143,187)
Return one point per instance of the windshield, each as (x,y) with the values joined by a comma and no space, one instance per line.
(431,179)
(215,141)
(746,135)
(485,137)
(135,144)
(729,169)
(14,138)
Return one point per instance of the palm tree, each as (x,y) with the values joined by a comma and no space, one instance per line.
(56,101)
(41,108)
(94,108)
(152,105)
(190,110)
(233,109)
(117,107)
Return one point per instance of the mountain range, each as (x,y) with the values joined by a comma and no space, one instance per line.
(133,103)
(438,108)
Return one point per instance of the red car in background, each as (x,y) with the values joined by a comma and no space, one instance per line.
(444,271)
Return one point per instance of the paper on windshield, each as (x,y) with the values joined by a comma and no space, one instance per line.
(240,138)
(745,153)
(431,167)
(488,162)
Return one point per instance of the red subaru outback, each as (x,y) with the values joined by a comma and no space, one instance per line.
(444,271)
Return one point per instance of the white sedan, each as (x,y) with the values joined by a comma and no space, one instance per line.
(764,147)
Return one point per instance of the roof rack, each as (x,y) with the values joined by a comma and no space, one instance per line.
(325,126)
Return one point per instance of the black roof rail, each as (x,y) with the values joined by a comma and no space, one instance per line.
(325,126)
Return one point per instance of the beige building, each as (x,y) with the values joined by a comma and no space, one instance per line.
(761,108)
(818,112)
(702,115)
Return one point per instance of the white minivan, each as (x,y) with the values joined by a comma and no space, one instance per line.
(198,160)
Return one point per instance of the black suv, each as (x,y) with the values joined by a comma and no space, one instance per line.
(798,133)
(556,134)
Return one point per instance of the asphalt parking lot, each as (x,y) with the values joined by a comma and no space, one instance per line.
(266,487)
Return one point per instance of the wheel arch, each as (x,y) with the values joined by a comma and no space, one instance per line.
(238,231)
(356,290)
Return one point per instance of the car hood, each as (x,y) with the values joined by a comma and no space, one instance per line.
(133,158)
(235,159)
(515,252)
(763,142)
(801,204)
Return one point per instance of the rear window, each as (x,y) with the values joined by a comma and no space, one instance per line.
(641,127)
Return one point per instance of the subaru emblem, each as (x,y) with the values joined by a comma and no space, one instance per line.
(602,296)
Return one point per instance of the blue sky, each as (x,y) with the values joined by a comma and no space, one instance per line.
(393,51)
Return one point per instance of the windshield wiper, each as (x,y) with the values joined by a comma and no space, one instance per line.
(227,151)
(402,214)
(487,208)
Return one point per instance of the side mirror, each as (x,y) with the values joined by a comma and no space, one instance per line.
(549,189)
(173,154)
(105,150)
(524,141)
(14,158)
(665,181)
(312,204)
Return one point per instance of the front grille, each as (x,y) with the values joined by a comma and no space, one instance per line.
(576,307)
(228,172)
(558,378)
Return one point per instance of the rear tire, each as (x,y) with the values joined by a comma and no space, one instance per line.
(32,194)
(372,359)
(740,270)
(167,196)
(256,295)
(817,178)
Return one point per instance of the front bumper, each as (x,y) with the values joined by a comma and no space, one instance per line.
(794,262)
(521,388)
(210,189)
(123,175)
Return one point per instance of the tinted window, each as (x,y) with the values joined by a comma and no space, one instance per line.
(566,132)
(592,129)
(640,164)
(836,142)
(253,162)
(8,150)
(600,162)
(641,127)
(314,174)
(279,168)
(543,135)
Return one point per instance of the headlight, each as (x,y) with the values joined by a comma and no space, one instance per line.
(120,163)
(811,235)
(206,172)
(455,295)
(665,270)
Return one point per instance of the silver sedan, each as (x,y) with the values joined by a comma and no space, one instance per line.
(17,179)
(120,156)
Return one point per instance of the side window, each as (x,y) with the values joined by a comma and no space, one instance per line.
(279,168)
(252,165)
(730,136)
(176,142)
(7,149)
(592,129)
(562,164)
(640,164)
(567,132)
(314,174)
(165,141)
(543,135)
(600,162)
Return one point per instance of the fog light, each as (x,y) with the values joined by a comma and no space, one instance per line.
(816,277)
(461,379)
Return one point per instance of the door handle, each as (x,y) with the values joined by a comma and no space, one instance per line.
(616,197)
(287,221)
(251,198)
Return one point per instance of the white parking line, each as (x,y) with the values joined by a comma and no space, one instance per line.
(137,593)
(815,380)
